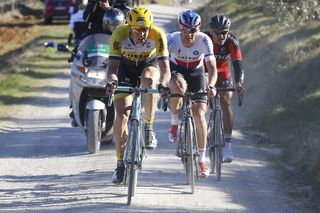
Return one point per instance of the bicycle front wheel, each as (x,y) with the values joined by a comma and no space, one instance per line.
(189,131)
(210,143)
(133,167)
(218,140)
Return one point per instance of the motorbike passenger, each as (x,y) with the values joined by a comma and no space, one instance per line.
(95,9)
(111,19)
(189,49)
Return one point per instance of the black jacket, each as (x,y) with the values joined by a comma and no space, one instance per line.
(93,14)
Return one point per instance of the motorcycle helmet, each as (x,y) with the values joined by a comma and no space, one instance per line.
(189,19)
(112,18)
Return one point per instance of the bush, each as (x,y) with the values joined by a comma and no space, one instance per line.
(288,11)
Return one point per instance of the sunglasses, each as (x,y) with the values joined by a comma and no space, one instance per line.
(140,29)
(223,33)
(189,31)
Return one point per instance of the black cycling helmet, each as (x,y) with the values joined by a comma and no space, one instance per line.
(112,18)
(220,22)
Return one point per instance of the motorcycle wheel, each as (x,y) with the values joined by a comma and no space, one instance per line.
(107,135)
(93,131)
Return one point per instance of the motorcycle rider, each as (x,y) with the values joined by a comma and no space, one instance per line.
(111,19)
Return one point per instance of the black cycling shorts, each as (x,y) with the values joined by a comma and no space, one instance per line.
(195,78)
(129,73)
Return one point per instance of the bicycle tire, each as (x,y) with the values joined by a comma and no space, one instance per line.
(218,143)
(210,143)
(133,172)
(189,153)
(195,152)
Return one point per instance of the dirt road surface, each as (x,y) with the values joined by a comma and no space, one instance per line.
(44,166)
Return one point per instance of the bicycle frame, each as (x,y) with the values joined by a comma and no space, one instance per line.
(215,138)
(134,151)
(135,115)
(188,139)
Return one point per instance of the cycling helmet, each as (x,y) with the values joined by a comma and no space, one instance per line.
(189,19)
(112,18)
(140,17)
(220,22)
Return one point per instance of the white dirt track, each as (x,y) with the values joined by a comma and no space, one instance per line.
(44,165)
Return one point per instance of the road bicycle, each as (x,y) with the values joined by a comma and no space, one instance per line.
(187,139)
(135,147)
(215,137)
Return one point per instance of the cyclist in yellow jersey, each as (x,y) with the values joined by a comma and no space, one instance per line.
(138,49)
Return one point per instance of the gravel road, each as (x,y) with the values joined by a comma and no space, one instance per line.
(44,166)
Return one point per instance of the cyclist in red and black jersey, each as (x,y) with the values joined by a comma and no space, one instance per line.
(226,48)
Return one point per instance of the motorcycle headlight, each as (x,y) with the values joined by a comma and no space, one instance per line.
(97,73)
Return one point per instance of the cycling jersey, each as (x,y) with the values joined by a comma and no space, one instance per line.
(190,58)
(122,47)
(230,50)
(187,62)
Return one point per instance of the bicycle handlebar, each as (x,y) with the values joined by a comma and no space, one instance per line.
(138,90)
(225,89)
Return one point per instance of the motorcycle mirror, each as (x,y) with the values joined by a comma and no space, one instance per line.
(62,48)
(49,44)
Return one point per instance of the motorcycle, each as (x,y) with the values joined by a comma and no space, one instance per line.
(93,109)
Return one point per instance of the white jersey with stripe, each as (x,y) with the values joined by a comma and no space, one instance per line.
(190,57)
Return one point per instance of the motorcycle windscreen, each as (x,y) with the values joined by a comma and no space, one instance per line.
(96,47)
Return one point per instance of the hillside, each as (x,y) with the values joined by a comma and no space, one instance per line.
(281,61)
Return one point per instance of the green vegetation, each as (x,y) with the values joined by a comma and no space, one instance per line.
(28,78)
(281,60)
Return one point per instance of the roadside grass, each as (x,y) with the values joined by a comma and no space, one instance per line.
(38,65)
(282,81)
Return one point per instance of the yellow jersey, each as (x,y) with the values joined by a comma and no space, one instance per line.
(122,46)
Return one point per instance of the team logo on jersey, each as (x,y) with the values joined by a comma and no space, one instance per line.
(161,46)
(221,57)
(196,52)
(116,45)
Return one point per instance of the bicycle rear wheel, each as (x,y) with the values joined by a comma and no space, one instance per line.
(189,153)
(210,143)
(218,140)
(133,167)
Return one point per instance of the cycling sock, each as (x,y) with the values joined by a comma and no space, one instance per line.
(202,155)
(174,119)
(119,163)
(120,157)
(227,145)
(149,120)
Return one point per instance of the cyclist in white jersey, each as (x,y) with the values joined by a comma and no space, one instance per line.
(189,49)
